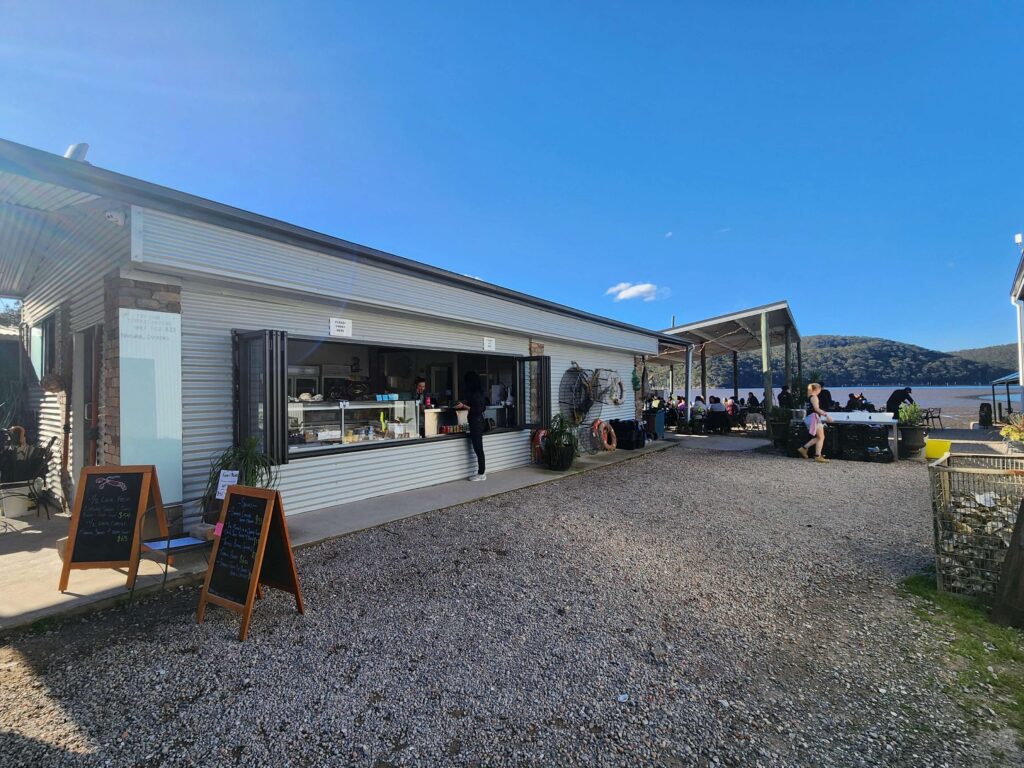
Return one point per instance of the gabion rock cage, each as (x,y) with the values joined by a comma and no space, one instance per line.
(975,499)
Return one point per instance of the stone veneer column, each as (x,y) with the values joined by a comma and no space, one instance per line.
(124,293)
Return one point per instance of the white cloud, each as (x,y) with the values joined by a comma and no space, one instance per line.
(643,291)
(723,230)
(668,234)
(617,288)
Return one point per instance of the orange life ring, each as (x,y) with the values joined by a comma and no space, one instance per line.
(537,444)
(595,428)
(604,431)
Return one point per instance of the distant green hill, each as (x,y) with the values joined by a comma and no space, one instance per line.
(866,361)
(1000,355)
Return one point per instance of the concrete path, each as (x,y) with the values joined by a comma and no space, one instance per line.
(984,441)
(30,565)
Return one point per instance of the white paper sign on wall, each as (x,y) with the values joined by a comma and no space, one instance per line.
(341,326)
(227,477)
(489,344)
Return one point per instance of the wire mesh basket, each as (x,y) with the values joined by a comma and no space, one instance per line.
(975,499)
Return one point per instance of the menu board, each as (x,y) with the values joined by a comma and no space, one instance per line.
(252,550)
(236,553)
(107,518)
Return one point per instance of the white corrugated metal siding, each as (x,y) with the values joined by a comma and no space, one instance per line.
(191,246)
(209,315)
(562,355)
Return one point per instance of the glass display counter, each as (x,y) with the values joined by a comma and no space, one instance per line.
(321,425)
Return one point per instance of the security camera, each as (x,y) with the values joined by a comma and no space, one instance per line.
(115,217)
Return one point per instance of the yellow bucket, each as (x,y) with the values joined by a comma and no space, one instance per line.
(936,449)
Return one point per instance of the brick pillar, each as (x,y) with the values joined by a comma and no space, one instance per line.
(124,293)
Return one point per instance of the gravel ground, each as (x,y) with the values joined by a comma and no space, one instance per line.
(684,608)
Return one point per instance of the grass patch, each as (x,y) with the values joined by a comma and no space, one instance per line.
(989,658)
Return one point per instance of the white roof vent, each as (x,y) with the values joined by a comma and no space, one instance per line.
(77,152)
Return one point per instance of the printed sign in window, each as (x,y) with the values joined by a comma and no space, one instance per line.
(489,344)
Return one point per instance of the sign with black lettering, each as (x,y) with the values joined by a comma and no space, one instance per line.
(106,520)
(252,550)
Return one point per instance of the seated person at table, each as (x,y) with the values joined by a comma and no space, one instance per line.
(718,418)
(698,406)
(752,401)
(854,403)
(731,408)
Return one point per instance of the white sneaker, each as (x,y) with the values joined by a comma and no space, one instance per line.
(477,478)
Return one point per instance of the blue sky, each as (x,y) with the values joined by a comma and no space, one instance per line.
(865,161)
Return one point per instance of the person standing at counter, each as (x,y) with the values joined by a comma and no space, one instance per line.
(474,402)
(419,394)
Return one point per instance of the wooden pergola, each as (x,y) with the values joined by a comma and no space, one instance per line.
(758,328)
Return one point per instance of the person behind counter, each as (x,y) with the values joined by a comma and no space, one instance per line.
(419,394)
(475,404)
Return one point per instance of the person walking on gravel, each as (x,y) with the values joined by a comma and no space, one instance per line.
(815,422)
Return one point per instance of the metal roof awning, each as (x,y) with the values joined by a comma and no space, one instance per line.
(33,215)
(738,331)
(1010,378)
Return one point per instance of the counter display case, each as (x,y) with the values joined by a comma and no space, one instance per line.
(318,425)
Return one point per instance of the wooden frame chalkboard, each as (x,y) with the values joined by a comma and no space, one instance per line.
(252,549)
(106,520)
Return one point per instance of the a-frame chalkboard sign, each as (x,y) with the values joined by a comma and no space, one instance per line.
(252,549)
(106,521)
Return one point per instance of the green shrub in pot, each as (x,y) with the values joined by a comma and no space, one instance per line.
(254,467)
(912,429)
(561,446)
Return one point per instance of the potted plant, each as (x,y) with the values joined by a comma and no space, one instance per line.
(561,446)
(254,469)
(912,429)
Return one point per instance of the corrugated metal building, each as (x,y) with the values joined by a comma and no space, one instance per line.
(153,320)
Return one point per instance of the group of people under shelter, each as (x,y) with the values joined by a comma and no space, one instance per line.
(717,415)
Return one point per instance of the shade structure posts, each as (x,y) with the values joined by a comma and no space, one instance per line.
(789,358)
(735,375)
(766,363)
(799,362)
(689,371)
(703,373)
